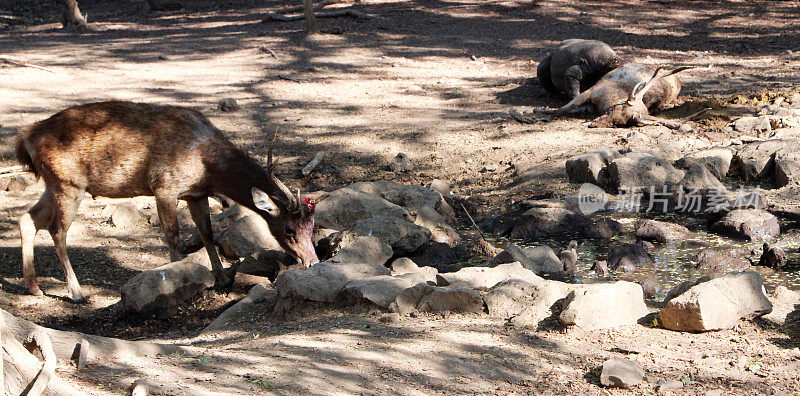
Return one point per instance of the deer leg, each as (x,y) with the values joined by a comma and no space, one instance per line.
(65,205)
(35,219)
(167,207)
(199,210)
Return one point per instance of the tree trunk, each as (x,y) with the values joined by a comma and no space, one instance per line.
(311,21)
(71,16)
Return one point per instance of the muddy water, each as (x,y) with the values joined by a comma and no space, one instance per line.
(674,262)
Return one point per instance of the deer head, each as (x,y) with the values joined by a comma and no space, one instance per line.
(290,216)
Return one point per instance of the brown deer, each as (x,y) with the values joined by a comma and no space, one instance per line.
(122,149)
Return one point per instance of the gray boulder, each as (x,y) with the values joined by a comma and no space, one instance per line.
(716,159)
(539,222)
(755,161)
(484,278)
(383,290)
(247,235)
(660,231)
(604,305)
(24,182)
(524,304)
(586,168)
(628,256)
(403,236)
(347,247)
(717,304)
(323,282)
(748,224)
(721,260)
(641,171)
(787,166)
(161,290)
(436,223)
(539,259)
(263,263)
(622,373)
(428,298)
(344,207)
(407,196)
(785,306)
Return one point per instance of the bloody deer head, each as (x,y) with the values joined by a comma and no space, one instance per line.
(290,217)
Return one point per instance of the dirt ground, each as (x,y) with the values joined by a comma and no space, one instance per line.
(433,79)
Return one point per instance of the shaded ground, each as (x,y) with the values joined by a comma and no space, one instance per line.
(433,79)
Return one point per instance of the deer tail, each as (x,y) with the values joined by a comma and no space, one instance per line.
(23,155)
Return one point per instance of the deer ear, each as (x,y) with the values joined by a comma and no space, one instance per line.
(263,202)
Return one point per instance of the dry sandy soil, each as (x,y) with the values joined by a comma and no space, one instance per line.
(433,79)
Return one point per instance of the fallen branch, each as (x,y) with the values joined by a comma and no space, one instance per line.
(14,174)
(24,64)
(331,14)
(313,163)
(287,78)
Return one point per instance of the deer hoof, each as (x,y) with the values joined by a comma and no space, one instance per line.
(35,291)
(78,298)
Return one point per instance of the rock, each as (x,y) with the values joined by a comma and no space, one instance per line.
(20,182)
(603,228)
(660,231)
(382,290)
(755,161)
(600,268)
(539,259)
(433,221)
(407,196)
(443,257)
(404,237)
(604,305)
(773,257)
(755,126)
(628,256)
(323,282)
(427,298)
(669,385)
(264,263)
(161,290)
(344,207)
(715,260)
(524,304)
(699,180)
(623,373)
(228,105)
(484,278)
(748,224)
(682,287)
(440,186)
(127,215)
(258,294)
(404,265)
(538,223)
(246,236)
(787,166)
(347,247)
(785,306)
(392,317)
(569,257)
(717,304)
(401,163)
(639,172)
(586,168)
(716,159)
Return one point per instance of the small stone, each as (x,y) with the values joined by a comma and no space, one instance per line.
(668,385)
(392,317)
(621,373)
(401,163)
(228,105)
(127,215)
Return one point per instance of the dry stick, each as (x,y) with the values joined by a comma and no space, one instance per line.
(473,222)
(287,78)
(300,8)
(24,64)
(313,163)
(13,174)
(332,14)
